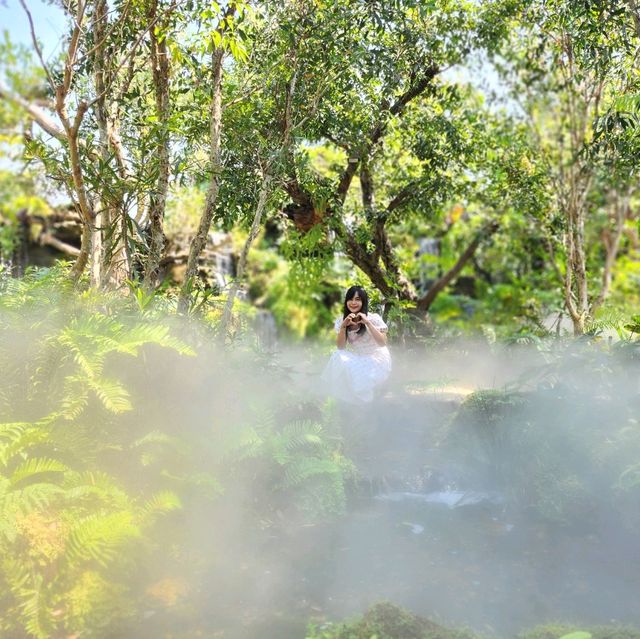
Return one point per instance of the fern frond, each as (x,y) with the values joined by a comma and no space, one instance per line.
(132,339)
(10,431)
(295,438)
(75,398)
(301,470)
(34,467)
(157,437)
(111,393)
(159,504)
(20,438)
(239,443)
(99,537)
(82,352)
(207,484)
(34,608)
(97,488)
(34,497)
(608,319)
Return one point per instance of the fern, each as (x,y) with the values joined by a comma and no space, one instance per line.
(96,490)
(608,320)
(132,339)
(34,467)
(35,497)
(111,393)
(16,438)
(99,537)
(66,526)
(158,437)
(296,438)
(308,468)
(239,444)
(34,609)
(159,504)
(304,469)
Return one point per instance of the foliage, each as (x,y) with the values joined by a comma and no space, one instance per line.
(562,447)
(301,467)
(427,123)
(559,631)
(73,531)
(387,621)
(92,464)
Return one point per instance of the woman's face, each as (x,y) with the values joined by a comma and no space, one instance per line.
(354,304)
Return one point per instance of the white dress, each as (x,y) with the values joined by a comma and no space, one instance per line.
(353,372)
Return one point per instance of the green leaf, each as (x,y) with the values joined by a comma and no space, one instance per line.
(37,466)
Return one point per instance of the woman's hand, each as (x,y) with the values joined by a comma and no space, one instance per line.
(341,338)
(348,320)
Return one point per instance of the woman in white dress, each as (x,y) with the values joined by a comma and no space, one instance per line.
(362,360)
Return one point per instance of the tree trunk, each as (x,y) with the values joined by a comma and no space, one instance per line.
(91,241)
(158,198)
(369,264)
(425,302)
(576,291)
(611,238)
(199,241)
(85,251)
(242,262)
(114,266)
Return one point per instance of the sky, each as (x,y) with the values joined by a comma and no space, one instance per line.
(48,20)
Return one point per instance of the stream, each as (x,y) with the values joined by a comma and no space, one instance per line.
(415,537)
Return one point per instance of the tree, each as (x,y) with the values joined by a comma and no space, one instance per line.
(384,61)
(115,78)
(566,63)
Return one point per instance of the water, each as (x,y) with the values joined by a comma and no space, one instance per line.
(459,555)
(459,566)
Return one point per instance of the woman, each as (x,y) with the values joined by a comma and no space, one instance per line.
(362,360)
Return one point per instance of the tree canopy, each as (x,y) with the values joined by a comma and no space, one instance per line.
(350,129)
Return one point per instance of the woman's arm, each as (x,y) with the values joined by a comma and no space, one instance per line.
(379,337)
(341,338)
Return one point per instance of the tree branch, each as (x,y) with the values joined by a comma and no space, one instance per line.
(426,300)
(366,185)
(131,52)
(415,90)
(401,197)
(40,117)
(611,241)
(104,37)
(385,250)
(50,240)
(73,48)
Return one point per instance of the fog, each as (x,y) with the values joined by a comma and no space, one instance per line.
(496,511)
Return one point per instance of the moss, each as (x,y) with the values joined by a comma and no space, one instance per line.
(488,407)
(387,621)
(557,631)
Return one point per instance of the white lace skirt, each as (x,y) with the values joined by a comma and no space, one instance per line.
(352,377)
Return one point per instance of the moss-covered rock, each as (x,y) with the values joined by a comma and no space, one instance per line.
(387,621)
(558,631)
